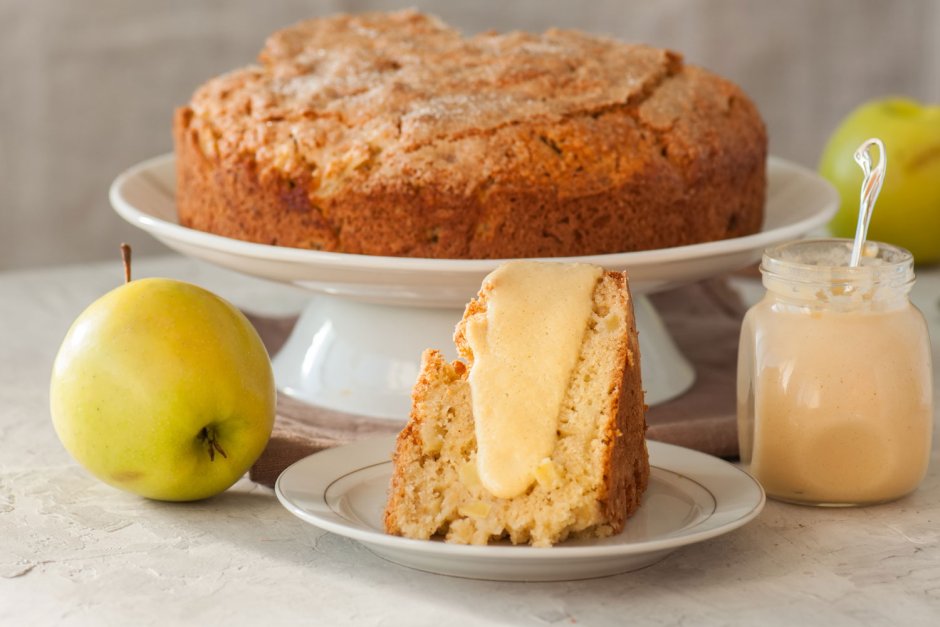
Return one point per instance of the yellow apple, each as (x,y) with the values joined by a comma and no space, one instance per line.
(163,389)
(908,209)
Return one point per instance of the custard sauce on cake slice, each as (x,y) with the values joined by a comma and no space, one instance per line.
(524,349)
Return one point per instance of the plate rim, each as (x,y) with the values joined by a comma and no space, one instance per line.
(370,537)
(159,227)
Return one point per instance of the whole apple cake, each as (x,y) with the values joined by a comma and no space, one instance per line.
(392,134)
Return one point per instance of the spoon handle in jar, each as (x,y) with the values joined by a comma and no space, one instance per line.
(871,186)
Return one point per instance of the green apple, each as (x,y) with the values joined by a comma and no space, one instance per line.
(163,389)
(908,209)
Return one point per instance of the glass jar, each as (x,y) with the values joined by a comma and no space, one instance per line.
(834,376)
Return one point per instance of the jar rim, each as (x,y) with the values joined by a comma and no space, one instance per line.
(825,261)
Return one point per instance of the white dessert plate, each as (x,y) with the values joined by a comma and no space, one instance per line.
(691,497)
(798,201)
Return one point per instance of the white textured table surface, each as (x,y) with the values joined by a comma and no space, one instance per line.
(74,551)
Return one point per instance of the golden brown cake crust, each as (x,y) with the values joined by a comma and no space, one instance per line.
(627,468)
(390,134)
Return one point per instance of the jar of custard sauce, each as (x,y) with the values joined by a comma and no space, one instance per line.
(834,376)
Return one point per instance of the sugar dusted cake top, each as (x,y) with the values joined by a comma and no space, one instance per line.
(333,94)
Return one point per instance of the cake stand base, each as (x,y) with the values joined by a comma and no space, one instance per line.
(363,358)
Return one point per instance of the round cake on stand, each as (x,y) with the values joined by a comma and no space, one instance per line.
(357,346)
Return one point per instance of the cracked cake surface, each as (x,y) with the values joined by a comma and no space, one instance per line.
(393,134)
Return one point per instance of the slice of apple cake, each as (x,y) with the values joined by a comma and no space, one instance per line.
(538,435)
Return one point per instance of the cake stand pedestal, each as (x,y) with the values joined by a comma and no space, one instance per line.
(356,347)
(363,358)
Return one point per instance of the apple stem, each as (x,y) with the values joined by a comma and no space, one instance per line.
(209,438)
(126,258)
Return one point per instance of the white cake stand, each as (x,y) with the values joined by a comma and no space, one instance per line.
(356,347)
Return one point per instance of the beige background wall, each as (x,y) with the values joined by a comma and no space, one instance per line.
(87,87)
